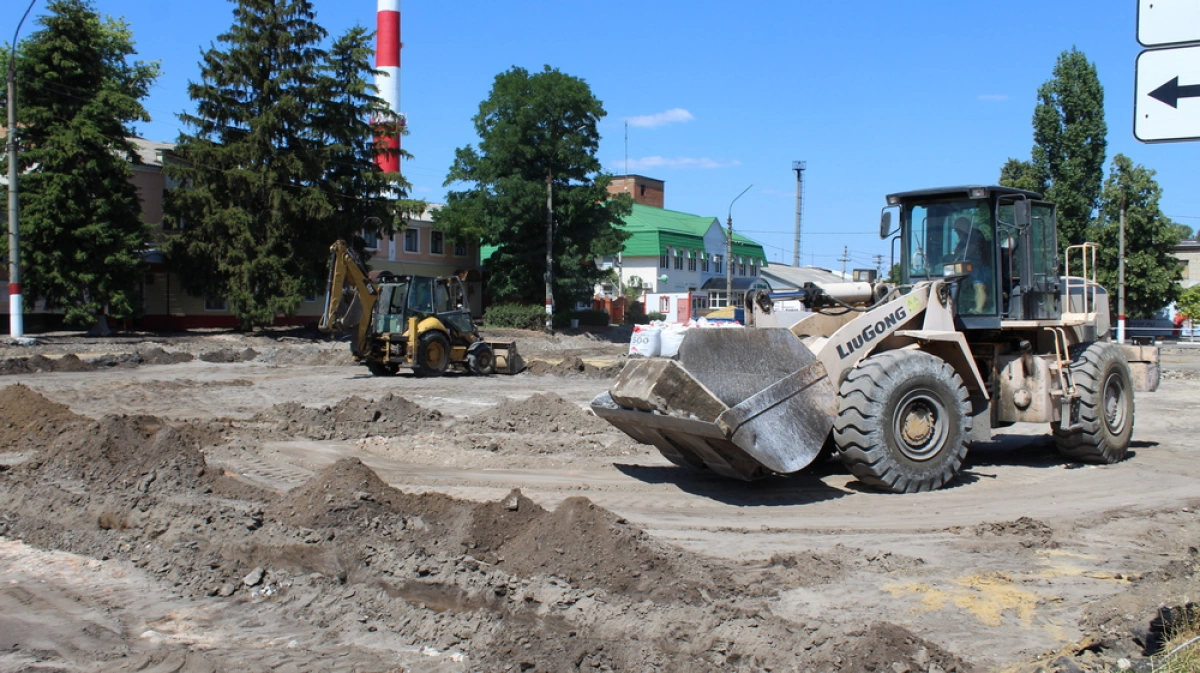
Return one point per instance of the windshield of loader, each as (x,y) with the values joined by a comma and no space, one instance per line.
(951,232)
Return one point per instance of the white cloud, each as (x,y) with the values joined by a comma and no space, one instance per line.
(673,162)
(992,96)
(660,118)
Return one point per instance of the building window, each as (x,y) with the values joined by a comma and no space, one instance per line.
(460,249)
(664,304)
(691,261)
(211,304)
(371,239)
(718,260)
(678,260)
(412,240)
(704,263)
(664,261)
(437,243)
(716,300)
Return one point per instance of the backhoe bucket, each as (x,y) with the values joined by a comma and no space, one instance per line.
(508,361)
(745,403)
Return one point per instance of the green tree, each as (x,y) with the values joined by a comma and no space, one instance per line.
(1151,271)
(81,222)
(279,164)
(1068,146)
(1189,304)
(530,127)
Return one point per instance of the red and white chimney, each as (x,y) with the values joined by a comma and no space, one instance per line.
(387,62)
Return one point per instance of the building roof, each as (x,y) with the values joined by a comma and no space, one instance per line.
(653,230)
(151,152)
(783,277)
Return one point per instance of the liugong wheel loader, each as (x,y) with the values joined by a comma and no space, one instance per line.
(416,322)
(898,380)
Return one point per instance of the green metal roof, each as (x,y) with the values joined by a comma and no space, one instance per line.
(653,230)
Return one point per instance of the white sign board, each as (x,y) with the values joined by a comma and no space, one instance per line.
(1167,22)
(1166,104)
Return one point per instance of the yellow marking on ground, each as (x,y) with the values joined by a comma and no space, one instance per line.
(1063,569)
(987,597)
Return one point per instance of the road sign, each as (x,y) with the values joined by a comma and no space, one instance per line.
(1168,22)
(1166,104)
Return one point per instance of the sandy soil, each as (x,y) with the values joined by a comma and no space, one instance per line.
(232,502)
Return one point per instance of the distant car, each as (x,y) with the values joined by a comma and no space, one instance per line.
(1150,330)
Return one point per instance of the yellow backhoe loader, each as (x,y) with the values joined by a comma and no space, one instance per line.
(413,322)
(983,331)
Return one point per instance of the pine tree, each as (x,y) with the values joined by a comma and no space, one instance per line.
(1151,271)
(279,164)
(81,221)
(533,127)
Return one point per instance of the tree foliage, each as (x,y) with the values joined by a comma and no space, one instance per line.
(1189,304)
(532,126)
(1151,271)
(1069,145)
(79,95)
(279,163)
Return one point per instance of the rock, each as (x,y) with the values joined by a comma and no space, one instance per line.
(226,590)
(254,577)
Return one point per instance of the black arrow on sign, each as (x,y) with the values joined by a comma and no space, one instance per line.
(1171,92)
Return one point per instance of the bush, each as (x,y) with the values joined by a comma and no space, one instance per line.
(636,314)
(651,317)
(515,316)
(591,316)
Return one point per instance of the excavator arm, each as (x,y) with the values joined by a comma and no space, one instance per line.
(350,297)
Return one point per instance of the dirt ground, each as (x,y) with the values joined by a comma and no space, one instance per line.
(216,502)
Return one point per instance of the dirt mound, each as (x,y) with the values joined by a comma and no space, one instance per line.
(227,355)
(138,451)
(28,419)
(540,412)
(353,418)
(572,366)
(588,545)
(889,647)
(158,356)
(40,363)
(1034,533)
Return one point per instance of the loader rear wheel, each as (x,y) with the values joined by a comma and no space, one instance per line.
(482,360)
(903,422)
(1105,421)
(433,354)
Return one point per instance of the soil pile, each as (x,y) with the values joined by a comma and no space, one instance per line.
(157,356)
(540,412)
(352,418)
(227,355)
(573,366)
(40,363)
(28,420)
(543,424)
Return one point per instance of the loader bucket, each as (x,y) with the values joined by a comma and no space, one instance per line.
(745,403)
(508,361)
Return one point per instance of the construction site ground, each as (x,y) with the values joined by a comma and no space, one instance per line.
(225,501)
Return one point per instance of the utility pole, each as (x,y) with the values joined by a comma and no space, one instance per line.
(844,258)
(549,251)
(799,167)
(729,250)
(16,308)
(1121,276)
(878,267)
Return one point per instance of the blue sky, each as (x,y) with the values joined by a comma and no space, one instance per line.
(876,97)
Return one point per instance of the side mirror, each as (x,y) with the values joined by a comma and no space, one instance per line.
(1021,213)
(885,224)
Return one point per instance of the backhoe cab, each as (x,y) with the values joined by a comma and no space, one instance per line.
(414,322)
(981,332)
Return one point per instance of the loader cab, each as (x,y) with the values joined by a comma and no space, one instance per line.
(997,245)
(404,297)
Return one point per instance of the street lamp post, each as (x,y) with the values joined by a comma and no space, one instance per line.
(729,250)
(549,251)
(16,308)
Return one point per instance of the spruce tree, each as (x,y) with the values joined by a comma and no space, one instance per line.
(78,96)
(279,163)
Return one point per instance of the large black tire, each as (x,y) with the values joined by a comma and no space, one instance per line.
(903,422)
(383,369)
(1105,408)
(481,360)
(433,354)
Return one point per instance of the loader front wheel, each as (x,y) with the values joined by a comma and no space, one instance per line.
(903,422)
(433,354)
(1104,425)
(481,360)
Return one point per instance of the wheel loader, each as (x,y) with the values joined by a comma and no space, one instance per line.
(981,332)
(413,322)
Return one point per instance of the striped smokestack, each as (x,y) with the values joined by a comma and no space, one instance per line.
(387,62)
